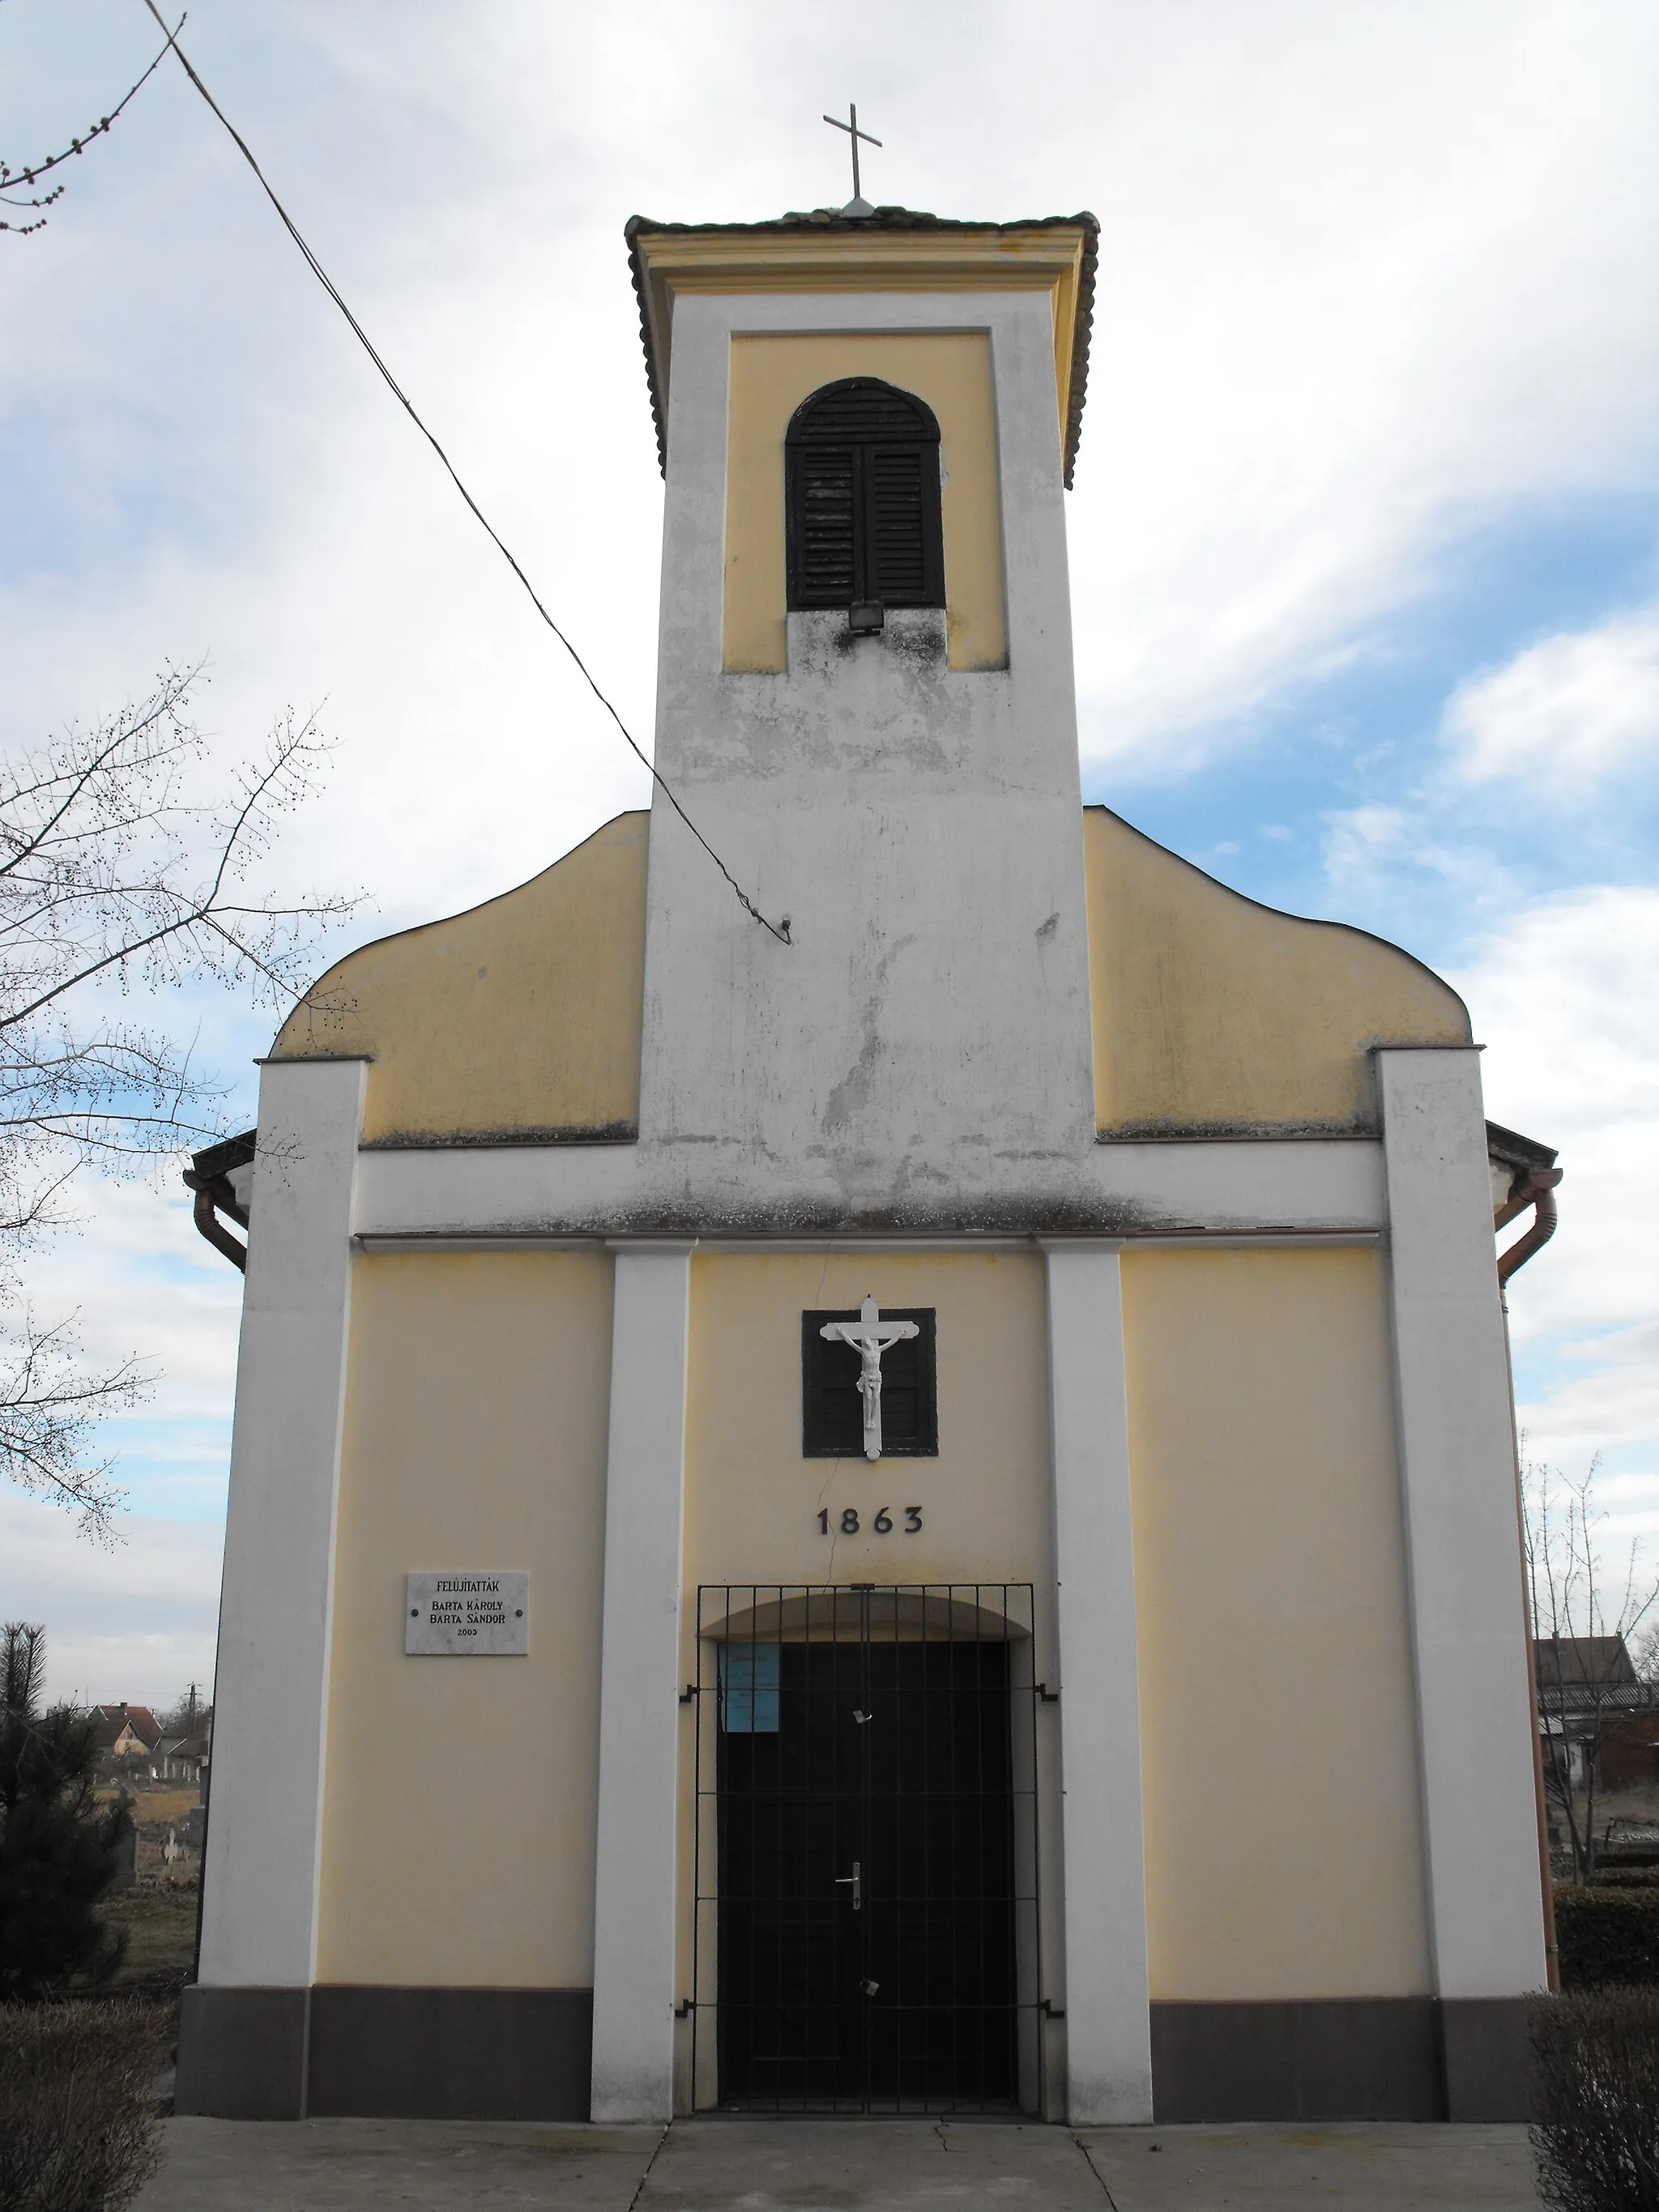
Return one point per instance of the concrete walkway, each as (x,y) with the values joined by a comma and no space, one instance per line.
(833,2166)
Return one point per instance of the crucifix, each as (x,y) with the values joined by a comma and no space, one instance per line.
(858,205)
(870,1336)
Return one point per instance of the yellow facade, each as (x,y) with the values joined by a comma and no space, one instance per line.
(521,1016)
(1266,1490)
(751,1502)
(458,1809)
(771,375)
(1279,1743)
(1212,1014)
(1275,1677)
(1215,1014)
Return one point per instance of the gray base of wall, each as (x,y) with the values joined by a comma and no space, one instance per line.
(385,2054)
(242,2054)
(1357,2058)
(1487,2058)
(525,2055)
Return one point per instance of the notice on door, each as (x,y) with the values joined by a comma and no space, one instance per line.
(457,1616)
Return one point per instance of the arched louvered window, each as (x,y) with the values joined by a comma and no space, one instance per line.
(861,480)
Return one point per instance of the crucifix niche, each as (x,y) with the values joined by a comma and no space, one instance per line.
(858,205)
(868,1381)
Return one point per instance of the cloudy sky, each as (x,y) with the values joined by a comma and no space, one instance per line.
(1362,540)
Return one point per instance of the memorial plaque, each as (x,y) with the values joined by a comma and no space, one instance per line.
(459,1616)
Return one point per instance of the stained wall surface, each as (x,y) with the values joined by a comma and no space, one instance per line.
(1212,1014)
(771,375)
(918,1052)
(521,1016)
(1284,1854)
(459,1805)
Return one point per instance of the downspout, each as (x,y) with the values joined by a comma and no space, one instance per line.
(1538,1190)
(212,1191)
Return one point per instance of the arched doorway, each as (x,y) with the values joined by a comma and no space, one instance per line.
(865,1875)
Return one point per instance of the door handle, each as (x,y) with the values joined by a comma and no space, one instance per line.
(855,1881)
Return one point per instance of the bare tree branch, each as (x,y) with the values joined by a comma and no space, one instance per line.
(1586,1671)
(114,877)
(11,179)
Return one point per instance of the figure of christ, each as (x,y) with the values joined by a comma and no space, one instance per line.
(869,1336)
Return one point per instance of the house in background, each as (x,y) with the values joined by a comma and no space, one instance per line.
(125,1732)
(1591,1695)
(182,1757)
(1571,1665)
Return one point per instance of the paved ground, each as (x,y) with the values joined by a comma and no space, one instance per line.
(816,2165)
(1352,2168)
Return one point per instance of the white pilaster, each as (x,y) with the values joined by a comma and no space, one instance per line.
(259,1907)
(633,1929)
(1462,1545)
(1108,2017)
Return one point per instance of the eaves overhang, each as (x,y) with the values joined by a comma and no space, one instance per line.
(893,250)
(1511,1150)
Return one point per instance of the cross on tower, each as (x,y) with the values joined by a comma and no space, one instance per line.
(858,205)
(870,1336)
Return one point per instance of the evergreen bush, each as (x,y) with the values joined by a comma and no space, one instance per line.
(1608,1937)
(1595,2088)
(78,2123)
(59,1850)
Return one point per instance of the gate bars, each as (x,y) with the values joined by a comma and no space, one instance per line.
(866,1907)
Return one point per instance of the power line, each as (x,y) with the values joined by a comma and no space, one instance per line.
(781,931)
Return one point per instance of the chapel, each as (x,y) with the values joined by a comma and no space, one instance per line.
(896,1494)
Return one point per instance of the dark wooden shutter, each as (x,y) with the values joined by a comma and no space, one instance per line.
(826,506)
(900,548)
(862,488)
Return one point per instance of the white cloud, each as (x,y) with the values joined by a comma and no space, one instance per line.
(1566,1000)
(1565,711)
(1362,840)
(1611,1406)
(139,1621)
(1367,274)
(1378,857)
(1364,284)
(146,1283)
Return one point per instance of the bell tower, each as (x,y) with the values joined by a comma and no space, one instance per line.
(865,703)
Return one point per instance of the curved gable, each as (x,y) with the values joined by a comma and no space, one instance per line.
(514,1022)
(1214,1015)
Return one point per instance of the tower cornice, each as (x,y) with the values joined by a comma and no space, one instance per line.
(894,250)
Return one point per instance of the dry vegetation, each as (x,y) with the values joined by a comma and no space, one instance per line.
(77,2103)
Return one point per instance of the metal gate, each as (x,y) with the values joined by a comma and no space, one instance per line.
(866,1918)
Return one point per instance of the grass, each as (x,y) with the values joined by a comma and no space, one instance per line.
(162,1804)
(161,1929)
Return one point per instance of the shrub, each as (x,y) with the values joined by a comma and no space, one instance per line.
(58,1849)
(1609,1937)
(78,2130)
